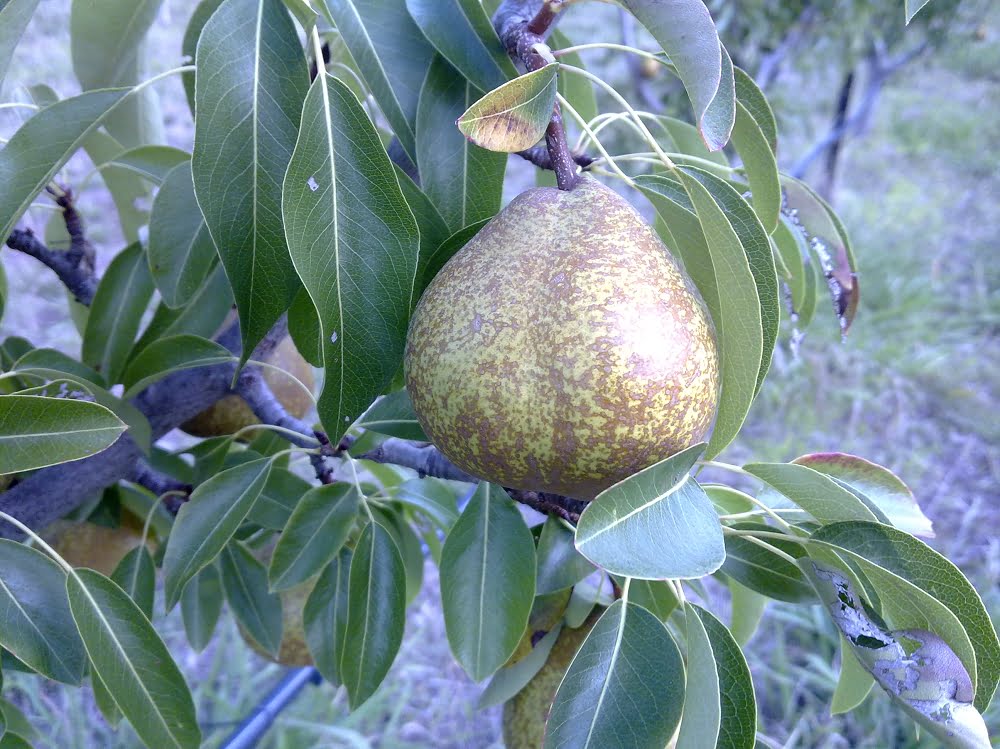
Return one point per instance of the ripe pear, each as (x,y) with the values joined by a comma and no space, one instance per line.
(563,348)
(231,413)
(97,547)
(525,714)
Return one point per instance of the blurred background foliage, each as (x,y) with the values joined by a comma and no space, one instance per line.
(915,386)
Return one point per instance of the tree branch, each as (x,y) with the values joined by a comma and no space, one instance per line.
(143,474)
(521,25)
(540,157)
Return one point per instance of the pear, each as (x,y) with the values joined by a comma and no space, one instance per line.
(97,547)
(231,413)
(293,650)
(562,349)
(524,715)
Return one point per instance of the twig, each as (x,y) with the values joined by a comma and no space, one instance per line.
(159,483)
(550,504)
(540,157)
(422,457)
(253,388)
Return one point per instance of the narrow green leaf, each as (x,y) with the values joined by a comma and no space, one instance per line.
(685,30)
(490,535)
(702,716)
(201,317)
(13,741)
(764,571)
(49,363)
(376,611)
(43,144)
(684,138)
(17,723)
(880,485)
(746,610)
(656,596)
(748,93)
(514,116)
(116,312)
(761,166)
(391,54)
(790,245)
(35,621)
(854,683)
(14,18)
(129,191)
(105,702)
(277,502)
(462,32)
(130,658)
(105,40)
(738,724)
(355,245)
(912,7)
(181,252)
(36,432)
(316,530)
(244,580)
(324,617)
(510,680)
(393,415)
(152,163)
(464,181)
(172,354)
(248,118)
(656,524)
(625,686)
(201,604)
(136,575)
(814,492)
(914,561)
(208,520)
(432,497)
(447,249)
(189,45)
(560,565)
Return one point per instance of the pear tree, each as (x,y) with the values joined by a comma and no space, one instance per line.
(528,396)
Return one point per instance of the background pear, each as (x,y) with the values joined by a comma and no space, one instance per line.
(563,348)
(230,414)
(94,546)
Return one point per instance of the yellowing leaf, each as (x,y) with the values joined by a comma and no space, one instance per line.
(514,116)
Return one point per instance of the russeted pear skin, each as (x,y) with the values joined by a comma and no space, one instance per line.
(563,349)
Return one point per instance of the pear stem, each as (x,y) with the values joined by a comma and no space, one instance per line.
(522,29)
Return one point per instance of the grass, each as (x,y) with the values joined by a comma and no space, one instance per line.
(915,386)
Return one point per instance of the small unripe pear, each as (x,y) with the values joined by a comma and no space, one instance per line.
(562,349)
(231,413)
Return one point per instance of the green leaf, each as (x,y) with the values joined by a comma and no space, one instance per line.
(324,617)
(248,119)
(464,181)
(17,723)
(576,89)
(36,432)
(14,17)
(35,621)
(764,571)
(208,520)
(560,565)
(13,741)
(490,535)
(130,658)
(244,580)
(105,40)
(789,243)
(201,604)
(447,249)
(738,724)
(181,253)
(189,45)
(461,31)
(514,116)
(129,192)
(393,415)
(105,702)
(43,144)
(912,7)
(152,163)
(656,524)
(757,248)
(355,245)
(303,327)
(201,317)
(316,531)
(656,596)
(410,550)
(49,363)
(854,683)
(746,610)
(879,485)
(687,34)
(376,612)
(278,500)
(172,354)
(510,680)
(391,54)
(116,312)
(912,560)
(814,492)
(936,690)
(432,497)
(136,575)
(702,716)
(625,686)
(684,138)
(755,139)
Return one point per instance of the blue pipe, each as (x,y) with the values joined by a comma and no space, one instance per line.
(248,733)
